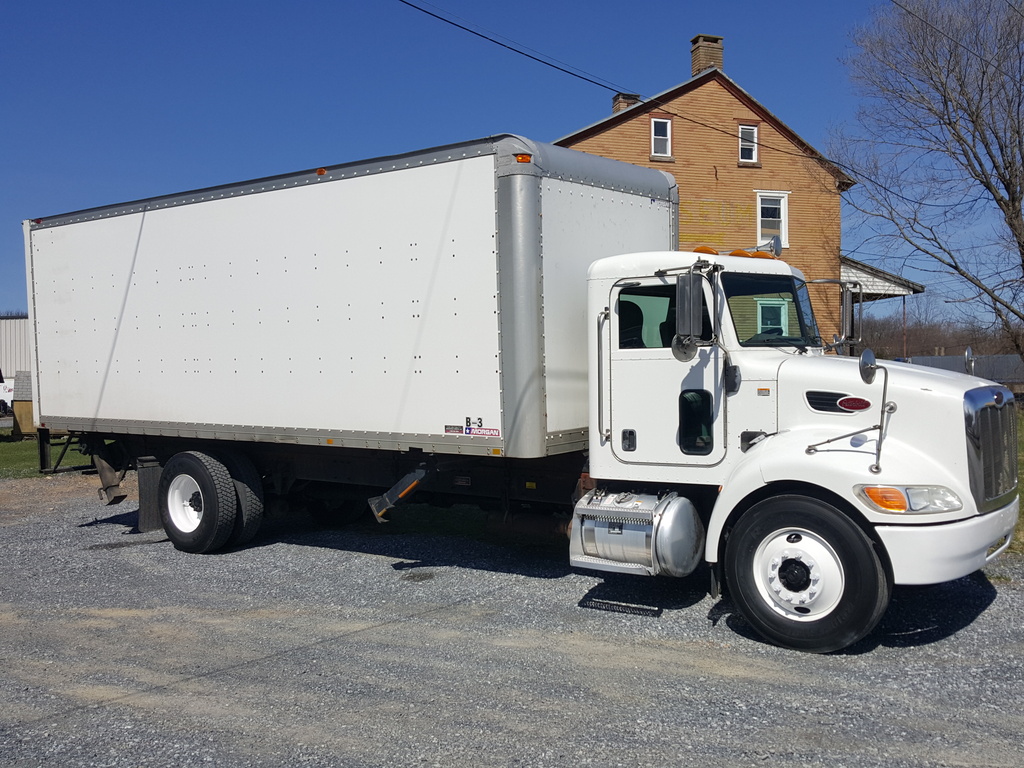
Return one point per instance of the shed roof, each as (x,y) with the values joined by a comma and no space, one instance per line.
(877,283)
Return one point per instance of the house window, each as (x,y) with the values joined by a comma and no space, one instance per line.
(772,217)
(661,138)
(773,316)
(748,143)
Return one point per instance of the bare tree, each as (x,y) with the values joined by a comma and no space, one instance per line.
(893,336)
(938,147)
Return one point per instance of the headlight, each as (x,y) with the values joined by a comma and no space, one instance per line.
(909,499)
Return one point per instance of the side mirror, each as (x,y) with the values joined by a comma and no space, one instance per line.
(969,359)
(868,366)
(850,324)
(689,313)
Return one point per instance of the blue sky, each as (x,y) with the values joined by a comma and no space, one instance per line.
(105,101)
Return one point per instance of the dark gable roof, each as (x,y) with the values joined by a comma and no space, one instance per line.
(656,103)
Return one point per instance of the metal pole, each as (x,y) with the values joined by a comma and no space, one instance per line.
(904,327)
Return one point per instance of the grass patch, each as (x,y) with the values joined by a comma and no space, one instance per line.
(20,458)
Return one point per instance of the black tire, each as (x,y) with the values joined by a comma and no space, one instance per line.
(249,496)
(804,575)
(197,502)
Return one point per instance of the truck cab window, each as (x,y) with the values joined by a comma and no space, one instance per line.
(695,422)
(647,317)
(770,310)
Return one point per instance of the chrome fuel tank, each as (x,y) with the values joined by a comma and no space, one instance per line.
(644,534)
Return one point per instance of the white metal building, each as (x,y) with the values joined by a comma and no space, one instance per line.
(14,346)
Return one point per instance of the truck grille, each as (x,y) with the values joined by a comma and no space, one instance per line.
(991,422)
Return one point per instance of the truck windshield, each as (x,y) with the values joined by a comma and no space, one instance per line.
(770,310)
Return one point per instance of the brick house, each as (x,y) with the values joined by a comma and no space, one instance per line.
(743,175)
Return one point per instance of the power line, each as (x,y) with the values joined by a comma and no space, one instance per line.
(515,47)
(568,69)
(952,39)
(580,74)
(1014,8)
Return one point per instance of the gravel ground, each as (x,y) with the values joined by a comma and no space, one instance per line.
(376,646)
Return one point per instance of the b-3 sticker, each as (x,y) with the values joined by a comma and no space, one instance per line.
(473,427)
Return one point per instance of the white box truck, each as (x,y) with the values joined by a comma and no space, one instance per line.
(507,320)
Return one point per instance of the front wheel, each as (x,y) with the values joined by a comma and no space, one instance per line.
(804,575)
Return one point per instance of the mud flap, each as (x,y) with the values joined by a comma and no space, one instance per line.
(110,480)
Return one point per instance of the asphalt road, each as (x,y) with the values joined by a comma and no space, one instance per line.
(412,645)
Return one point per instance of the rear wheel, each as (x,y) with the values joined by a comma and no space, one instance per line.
(804,575)
(249,494)
(197,502)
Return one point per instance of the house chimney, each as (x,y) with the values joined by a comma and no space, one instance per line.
(705,53)
(621,101)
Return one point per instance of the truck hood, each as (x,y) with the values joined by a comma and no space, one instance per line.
(816,385)
(924,423)
(798,375)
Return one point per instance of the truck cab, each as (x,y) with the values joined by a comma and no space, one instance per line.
(725,430)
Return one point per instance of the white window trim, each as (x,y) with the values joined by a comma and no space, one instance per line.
(784,195)
(668,123)
(783,315)
(748,143)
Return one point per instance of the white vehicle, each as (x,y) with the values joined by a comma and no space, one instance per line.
(461,322)
(6,396)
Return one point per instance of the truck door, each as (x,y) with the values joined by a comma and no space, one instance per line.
(662,411)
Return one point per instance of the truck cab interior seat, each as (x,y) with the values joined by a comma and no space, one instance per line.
(631,325)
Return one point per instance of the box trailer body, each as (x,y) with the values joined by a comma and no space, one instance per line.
(431,301)
(510,321)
